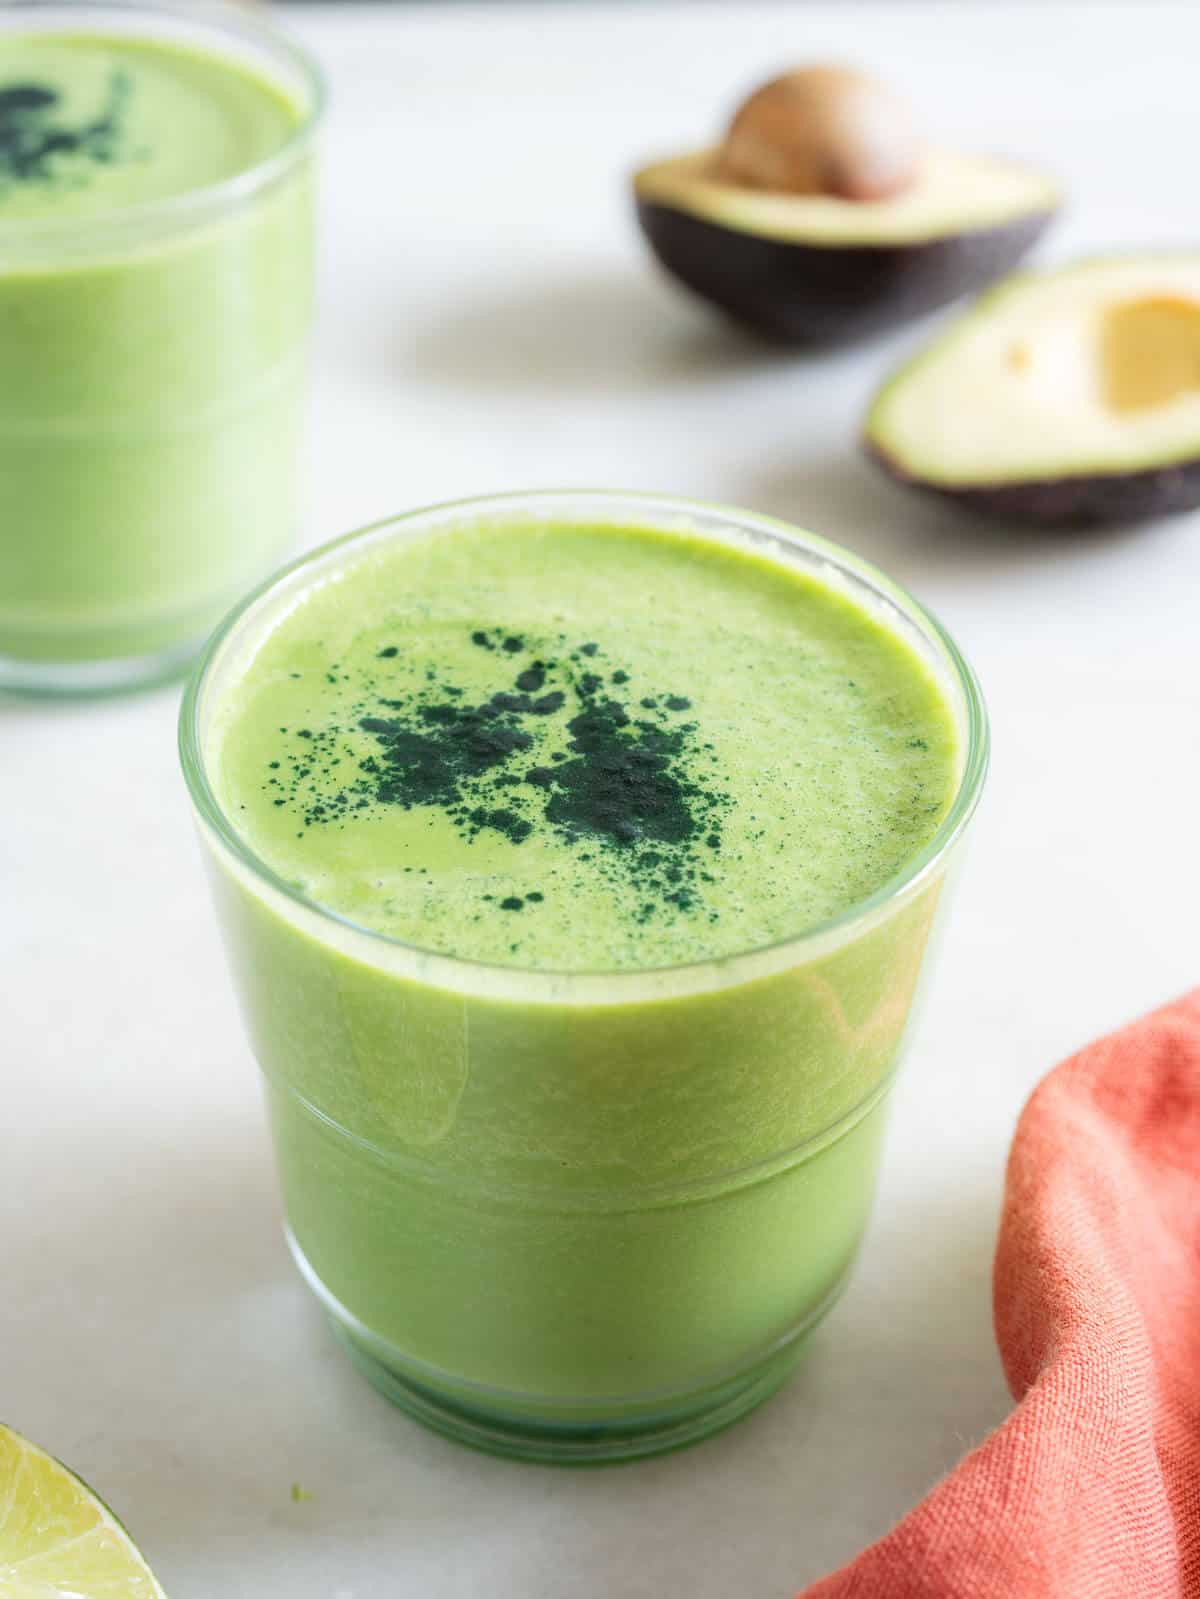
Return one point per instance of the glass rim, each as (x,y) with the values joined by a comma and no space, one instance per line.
(220,18)
(904,884)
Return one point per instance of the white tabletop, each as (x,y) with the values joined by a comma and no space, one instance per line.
(489,321)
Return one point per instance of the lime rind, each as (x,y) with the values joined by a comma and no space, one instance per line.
(58,1539)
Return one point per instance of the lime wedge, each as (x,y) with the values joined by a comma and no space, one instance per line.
(57,1540)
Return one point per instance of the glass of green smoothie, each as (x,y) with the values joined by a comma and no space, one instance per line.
(155,303)
(576,856)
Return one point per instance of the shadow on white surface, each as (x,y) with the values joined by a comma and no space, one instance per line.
(847,496)
(31,707)
(42,707)
(581,331)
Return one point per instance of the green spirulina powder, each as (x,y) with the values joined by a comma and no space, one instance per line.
(37,141)
(561,750)
(583,748)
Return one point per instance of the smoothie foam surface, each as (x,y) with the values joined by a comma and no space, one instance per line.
(583,748)
(94,123)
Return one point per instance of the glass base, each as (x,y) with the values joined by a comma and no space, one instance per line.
(582,1444)
(557,1432)
(120,675)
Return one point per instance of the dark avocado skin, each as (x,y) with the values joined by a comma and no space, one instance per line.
(824,295)
(1067,502)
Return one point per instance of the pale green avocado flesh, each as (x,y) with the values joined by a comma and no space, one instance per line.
(1090,372)
(953,193)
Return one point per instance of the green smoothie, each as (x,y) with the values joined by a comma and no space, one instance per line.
(533,825)
(155,266)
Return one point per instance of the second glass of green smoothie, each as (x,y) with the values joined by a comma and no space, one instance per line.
(155,304)
(576,856)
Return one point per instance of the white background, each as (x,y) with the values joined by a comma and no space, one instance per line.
(489,321)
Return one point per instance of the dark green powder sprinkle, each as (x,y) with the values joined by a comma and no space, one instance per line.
(501,820)
(34,138)
(619,775)
(533,679)
(389,653)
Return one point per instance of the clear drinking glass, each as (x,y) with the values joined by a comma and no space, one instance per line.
(563,1216)
(152,384)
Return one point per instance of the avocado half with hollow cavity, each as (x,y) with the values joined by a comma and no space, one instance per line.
(820,269)
(1067,398)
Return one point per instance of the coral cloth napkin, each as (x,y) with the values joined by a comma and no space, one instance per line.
(1091,1488)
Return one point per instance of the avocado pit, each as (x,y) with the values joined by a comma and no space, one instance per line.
(822,130)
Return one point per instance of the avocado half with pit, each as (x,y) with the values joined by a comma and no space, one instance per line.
(1067,398)
(823,215)
(826,269)
(818,269)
